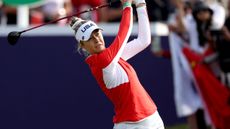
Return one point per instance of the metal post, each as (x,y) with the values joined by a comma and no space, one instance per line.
(23,16)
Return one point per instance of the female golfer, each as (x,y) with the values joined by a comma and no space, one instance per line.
(134,109)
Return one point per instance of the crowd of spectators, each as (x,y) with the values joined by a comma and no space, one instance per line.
(158,10)
(203,27)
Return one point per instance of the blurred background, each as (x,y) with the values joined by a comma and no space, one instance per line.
(45,83)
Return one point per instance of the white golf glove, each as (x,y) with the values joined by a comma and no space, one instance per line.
(136,2)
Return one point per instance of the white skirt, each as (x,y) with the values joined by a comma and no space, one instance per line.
(153,121)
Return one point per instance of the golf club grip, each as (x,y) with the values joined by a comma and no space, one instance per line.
(76,14)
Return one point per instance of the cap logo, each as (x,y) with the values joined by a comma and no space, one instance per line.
(86,27)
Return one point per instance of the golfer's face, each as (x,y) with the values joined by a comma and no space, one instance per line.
(95,44)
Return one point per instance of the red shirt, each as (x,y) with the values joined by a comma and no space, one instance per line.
(118,80)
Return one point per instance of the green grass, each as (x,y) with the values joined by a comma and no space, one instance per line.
(181,126)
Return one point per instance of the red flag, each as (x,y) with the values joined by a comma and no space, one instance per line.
(214,94)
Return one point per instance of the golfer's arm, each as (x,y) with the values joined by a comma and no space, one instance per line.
(113,73)
(144,35)
(113,53)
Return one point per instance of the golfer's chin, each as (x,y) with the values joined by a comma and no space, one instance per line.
(99,49)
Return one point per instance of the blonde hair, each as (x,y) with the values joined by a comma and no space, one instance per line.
(75,24)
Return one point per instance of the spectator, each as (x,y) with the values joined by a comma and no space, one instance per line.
(53,9)
(10,13)
(186,28)
(50,10)
(219,14)
(112,13)
(206,18)
(82,5)
(158,9)
(213,35)
(223,47)
(202,15)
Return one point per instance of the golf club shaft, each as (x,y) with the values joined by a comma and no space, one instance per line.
(53,21)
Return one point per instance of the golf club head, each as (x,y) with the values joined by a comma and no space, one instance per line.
(13,37)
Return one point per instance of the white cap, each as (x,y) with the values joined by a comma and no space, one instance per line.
(85,30)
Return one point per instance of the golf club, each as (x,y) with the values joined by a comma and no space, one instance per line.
(14,36)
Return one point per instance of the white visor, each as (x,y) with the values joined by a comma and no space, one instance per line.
(84,32)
